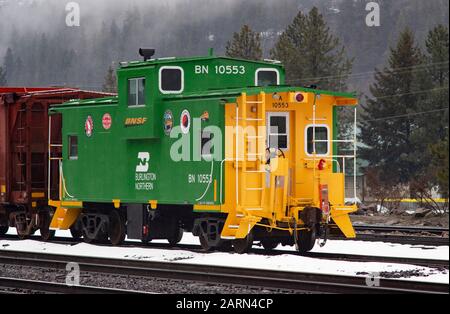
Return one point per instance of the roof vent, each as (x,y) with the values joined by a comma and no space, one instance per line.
(147,53)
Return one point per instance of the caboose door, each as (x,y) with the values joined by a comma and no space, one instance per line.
(278,130)
(279,125)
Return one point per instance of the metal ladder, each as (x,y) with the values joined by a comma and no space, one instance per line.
(20,146)
(241,219)
(53,158)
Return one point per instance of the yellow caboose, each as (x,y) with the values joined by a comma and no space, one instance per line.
(285,181)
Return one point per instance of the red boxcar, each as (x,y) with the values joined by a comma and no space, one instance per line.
(24,146)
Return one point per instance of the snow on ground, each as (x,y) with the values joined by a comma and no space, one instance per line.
(363,248)
(282,262)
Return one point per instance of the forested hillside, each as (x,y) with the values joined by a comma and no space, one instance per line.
(37,48)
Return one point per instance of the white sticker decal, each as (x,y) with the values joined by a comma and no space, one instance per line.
(144,180)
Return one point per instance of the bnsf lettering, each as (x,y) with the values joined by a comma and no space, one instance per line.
(135,121)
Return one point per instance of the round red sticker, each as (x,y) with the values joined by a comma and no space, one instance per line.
(106,121)
(185,121)
(89,126)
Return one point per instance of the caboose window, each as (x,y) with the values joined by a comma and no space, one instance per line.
(73,147)
(278,130)
(266,77)
(136,92)
(321,135)
(171,80)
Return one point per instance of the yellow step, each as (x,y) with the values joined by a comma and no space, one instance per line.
(64,218)
(240,231)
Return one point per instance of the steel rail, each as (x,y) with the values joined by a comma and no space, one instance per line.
(396,238)
(432,263)
(292,281)
(381,233)
(406,229)
(16,286)
(360,236)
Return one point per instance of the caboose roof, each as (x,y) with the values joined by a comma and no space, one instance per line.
(234,92)
(170,60)
(344,98)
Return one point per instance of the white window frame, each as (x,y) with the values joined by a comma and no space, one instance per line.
(328,139)
(137,91)
(278,114)
(160,79)
(267,70)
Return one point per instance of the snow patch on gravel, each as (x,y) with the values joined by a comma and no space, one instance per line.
(283,262)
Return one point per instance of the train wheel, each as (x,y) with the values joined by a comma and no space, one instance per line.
(46,233)
(226,246)
(204,243)
(177,238)
(3,230)
(269,244)
(102,237)
(242,246)
(76,231)
(22,236)
(146,241)
(117,229)
(86,238)
(21,231)
(306,240)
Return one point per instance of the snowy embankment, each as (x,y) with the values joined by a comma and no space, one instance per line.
(282,262)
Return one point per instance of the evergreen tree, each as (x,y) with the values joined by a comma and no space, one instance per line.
(245,45)
(436,124)
(110,83)
(311,54)
(388,129)
(439,165)
(2,77)
(437,44)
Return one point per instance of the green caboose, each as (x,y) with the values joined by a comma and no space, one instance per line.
(163,156)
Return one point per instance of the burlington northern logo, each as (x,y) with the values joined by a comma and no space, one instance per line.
(135,121)
(143,160)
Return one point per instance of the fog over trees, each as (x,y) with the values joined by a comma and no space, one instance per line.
(38,48)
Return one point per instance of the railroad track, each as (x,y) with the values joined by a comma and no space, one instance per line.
(290,281)
(22,286)
(433,263)
(371,233)
(397,238)
(406,229)
(401,234)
